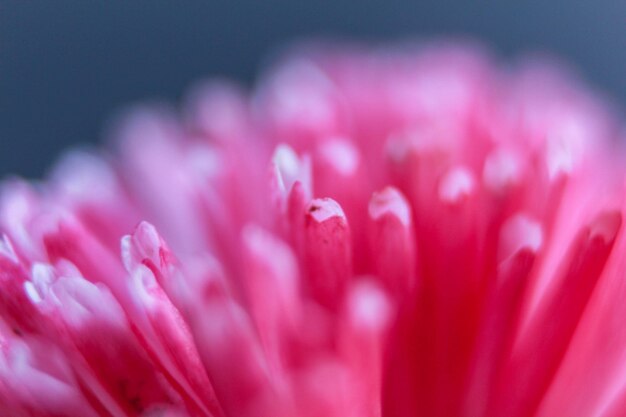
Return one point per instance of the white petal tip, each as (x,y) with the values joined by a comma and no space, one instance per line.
(322,209)
(390,201)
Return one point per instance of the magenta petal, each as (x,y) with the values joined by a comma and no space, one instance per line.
(398,231)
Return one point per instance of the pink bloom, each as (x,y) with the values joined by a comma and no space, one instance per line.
(398,232)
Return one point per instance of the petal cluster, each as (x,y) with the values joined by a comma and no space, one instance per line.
(371,232)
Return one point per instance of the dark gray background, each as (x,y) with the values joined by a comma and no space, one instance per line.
(66,66)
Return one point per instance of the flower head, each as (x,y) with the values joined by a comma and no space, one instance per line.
(398,232)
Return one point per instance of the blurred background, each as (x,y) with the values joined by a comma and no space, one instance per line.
(66,65)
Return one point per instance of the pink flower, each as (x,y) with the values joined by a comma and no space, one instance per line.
(398,232)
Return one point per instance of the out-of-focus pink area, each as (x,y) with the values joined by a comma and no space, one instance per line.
(400,231)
